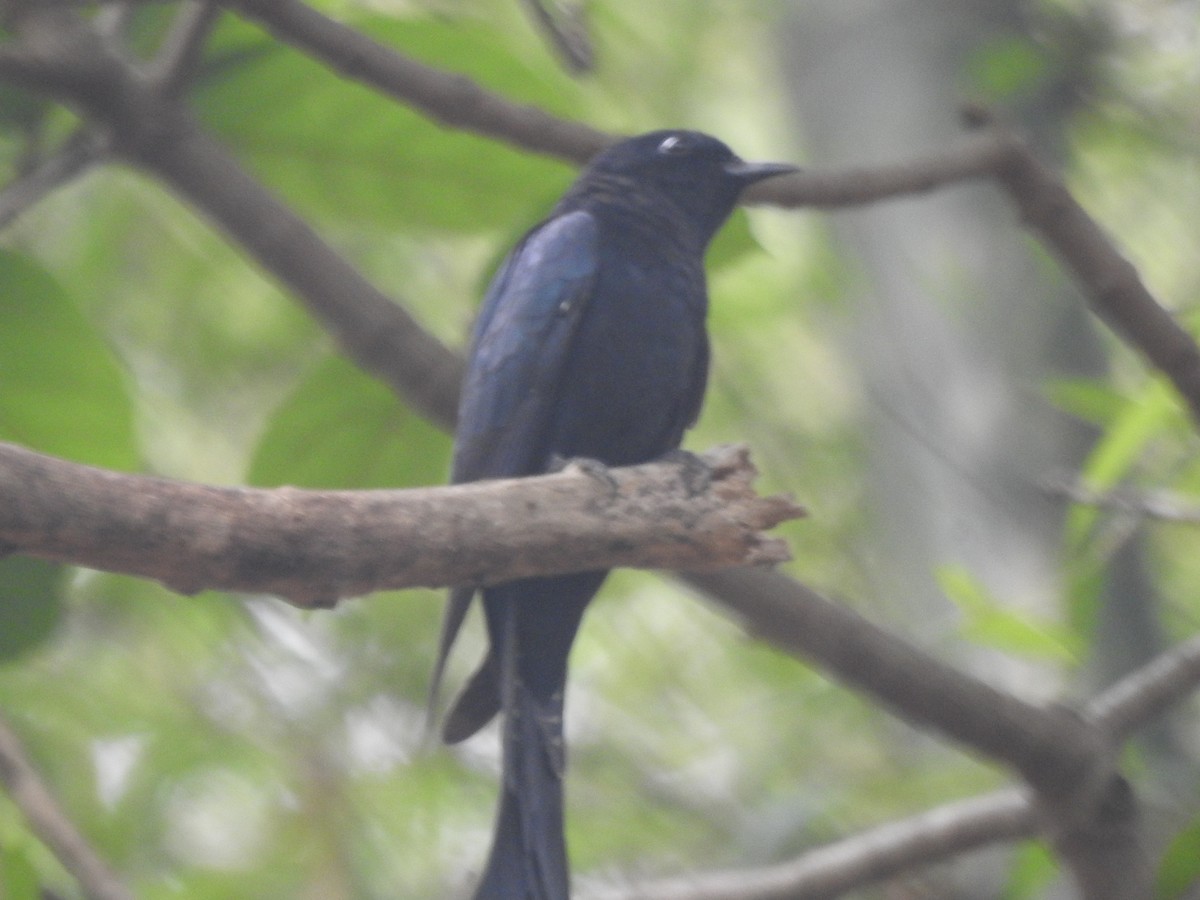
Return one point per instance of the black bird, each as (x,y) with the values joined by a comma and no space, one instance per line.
(590,343)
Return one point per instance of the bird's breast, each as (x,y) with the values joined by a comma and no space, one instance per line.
(630,382)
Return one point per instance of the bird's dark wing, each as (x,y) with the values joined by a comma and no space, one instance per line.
(697,380)
(522,336)
(526,325)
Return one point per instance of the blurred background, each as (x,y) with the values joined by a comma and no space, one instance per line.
(913,371)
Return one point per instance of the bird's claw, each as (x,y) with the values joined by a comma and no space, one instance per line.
(592,468)
(696,473)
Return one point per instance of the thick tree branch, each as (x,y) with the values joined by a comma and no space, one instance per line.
(313,547)
(1102,844)
(46,61)
(48,821)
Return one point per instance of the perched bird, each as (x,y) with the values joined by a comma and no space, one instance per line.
(590,343)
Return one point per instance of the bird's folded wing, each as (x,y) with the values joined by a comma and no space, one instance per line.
(522,337)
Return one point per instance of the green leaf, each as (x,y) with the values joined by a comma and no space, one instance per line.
(1087,399)
(342,151)
(1007,68)
(1033,870)
(342,429)
(1122,445)
(1124,442)
(732,242)
(63,390)
(1180,868)
(1086,578)
(18,877)
(30,604)
(987,622)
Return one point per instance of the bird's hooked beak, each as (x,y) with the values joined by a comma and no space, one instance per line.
(749,172)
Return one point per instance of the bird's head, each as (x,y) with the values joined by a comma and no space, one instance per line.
(694,171)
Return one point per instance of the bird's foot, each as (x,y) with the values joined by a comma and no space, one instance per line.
(592,468)
(697,474)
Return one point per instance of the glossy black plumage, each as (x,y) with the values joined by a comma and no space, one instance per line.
(590,343)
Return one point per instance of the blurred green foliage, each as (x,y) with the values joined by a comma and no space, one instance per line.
(1181,865)
(222,746)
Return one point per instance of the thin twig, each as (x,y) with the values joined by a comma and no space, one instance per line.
(969,157)
(866,858)
(1164,505)
(1110,282)
(79,153)
(1147,692)
(50,823)
(938,834)
(179,56)
(566,33)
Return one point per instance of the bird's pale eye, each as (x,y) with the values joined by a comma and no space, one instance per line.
(672,146)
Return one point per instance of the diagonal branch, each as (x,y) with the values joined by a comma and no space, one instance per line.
(866,858)
(1111,283)
(50,823)
(78,153)
(178,57)
(1052,748)
(1149,691)
(452,100)
(566,31)
(380,336)
(1166,506)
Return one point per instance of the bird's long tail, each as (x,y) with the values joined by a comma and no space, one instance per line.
(528,860)
(533,624)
